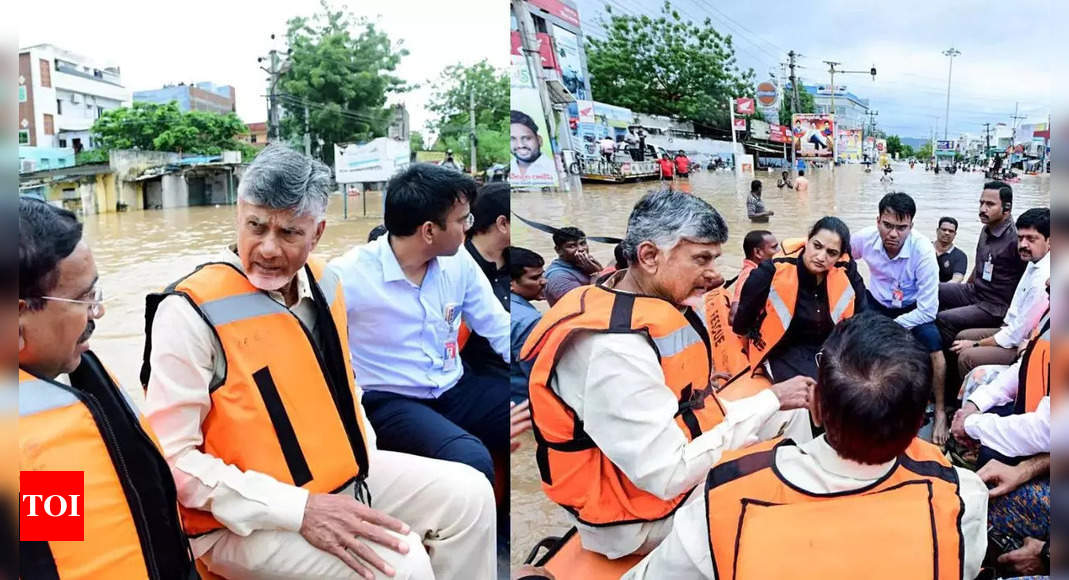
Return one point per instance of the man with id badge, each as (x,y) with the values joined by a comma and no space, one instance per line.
(982,302)
(405,294)
(904,285)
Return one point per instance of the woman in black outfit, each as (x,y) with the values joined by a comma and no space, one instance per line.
(826,251)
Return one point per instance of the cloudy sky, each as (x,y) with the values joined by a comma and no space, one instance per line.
(218,41)
(1004,50)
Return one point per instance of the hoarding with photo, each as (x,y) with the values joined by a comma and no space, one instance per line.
(813,135)
(849,144)
(570,63)
(532,163)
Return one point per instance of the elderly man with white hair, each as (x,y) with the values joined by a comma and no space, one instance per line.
(625,415)
(251,392)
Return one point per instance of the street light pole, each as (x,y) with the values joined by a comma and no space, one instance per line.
(952,52)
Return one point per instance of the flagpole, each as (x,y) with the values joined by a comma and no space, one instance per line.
(734,158)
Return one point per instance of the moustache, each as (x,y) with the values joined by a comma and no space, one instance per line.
(89,328)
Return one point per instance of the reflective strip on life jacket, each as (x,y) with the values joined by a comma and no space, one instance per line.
(575,473)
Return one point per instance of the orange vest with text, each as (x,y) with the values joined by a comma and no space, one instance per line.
(1034,378)
(287,405)
(783,296)
(575,473)
(63,428)
(905,525)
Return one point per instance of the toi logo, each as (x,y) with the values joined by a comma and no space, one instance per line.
(51,505)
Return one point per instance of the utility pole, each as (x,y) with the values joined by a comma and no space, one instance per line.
(275,72)
(1013,140)
(950,70)
(987,144)
(307,133)
(471,135)
(794,109)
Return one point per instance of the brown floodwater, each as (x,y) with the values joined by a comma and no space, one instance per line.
(847,192)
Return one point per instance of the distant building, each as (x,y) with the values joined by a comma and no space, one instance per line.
(61,95)
(257,135)
(851,111)
(398,128)
(194,97)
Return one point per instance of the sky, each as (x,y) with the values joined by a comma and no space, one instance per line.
(219,41)
(1004,52)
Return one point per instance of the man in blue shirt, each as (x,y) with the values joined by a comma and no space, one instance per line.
(904,285)
(528,283)
(405,294)
(574,266)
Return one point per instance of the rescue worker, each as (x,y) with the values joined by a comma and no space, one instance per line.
(866,499)
(789,305)
(73,416)
(625,421)
(250,388)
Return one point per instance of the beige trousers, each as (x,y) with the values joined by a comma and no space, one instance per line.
(448,506)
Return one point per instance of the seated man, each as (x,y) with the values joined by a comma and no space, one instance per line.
(866,499)
(74,417)
(757,246)
(625,417)
(251,392)
(487,242)
(574,266)
(405,294)
(1010,415)
(998,346)
(528,283)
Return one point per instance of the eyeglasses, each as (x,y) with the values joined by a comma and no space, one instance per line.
(96,305)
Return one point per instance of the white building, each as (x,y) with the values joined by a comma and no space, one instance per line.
(61,94)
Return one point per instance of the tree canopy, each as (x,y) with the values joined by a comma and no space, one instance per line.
(155,127)
(340,68)
(450,101)
(667,66)
(806,104)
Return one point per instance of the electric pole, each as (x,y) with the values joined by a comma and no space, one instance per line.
(952,52)
(471,135)
(794,109)
(307,133)
(987,143)
(275,72)
(1015,117)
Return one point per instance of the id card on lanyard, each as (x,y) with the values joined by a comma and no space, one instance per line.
(989,269)
(449,348)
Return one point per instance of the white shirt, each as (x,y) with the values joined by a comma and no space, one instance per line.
(400,334)
(914,270)
(186,358)
(617,388)
(540,171)
(816,467)
(1020,435)
(1029,302)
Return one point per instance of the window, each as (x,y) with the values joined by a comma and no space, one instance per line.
(45,163)
(22,93)
(253,137)
(59,106)
(100,112)
(62,143)
(24,137)
(50,128)
(46,74)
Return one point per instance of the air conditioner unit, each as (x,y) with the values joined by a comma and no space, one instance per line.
(75,98)
(27,166)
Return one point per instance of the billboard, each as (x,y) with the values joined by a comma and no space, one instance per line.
(374,161)
(849,147)
(570,63)
(545,48)
(533,164)
(744,106)
(777,134)
(759,129)
(944,145)
(558,9)
(813,135)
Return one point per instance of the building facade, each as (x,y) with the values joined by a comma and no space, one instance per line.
(203,96)
(851,111)
(61,94)
(256,136)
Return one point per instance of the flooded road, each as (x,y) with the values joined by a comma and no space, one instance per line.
(140,252)
(848,192)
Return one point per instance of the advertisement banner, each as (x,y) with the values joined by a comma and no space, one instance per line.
(813,135)
(777,134)
(521,73)
(545,48)
(570,63)
(740,124)
(558,9)
(849,144)
(533,164)
(944,145)
(759,129)
(744,106)
(586,111)
(376,160)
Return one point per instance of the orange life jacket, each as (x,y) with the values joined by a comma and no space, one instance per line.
(906,525)
(783,296)
(92,427)
(290,393)
(575,473)
(728,356)
(790,246)
(1034,378)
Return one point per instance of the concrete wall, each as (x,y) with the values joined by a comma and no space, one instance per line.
(175,191)
(128,164)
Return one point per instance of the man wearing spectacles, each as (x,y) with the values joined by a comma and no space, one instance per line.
(74,417)
(405,294)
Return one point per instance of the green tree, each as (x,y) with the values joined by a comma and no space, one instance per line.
(340,68)
(155,127)
(450,101)
(415,141)
(667,66)
(894,145)
(925,152)
(907,151)
(806,104)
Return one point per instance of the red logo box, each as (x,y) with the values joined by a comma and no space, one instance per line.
(52,506)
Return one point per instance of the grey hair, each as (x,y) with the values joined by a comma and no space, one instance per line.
(666,217)
(281,178)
